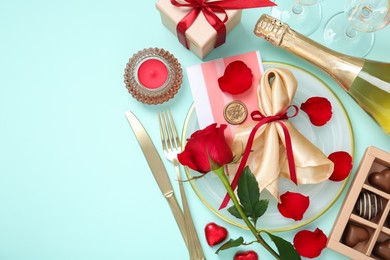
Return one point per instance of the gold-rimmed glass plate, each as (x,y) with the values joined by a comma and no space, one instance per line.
(336,135)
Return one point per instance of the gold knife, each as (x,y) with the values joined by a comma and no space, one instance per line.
(159,172)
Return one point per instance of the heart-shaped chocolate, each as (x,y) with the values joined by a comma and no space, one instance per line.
(215,234)
(382,249)
(247,255)
(354,234)
(380,180)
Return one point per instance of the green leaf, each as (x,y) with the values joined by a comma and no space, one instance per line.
(285,248)
(231,243)
(233,210)
(248,191)
(249,195)
(260,208)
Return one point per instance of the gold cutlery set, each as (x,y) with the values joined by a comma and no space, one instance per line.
(171,147)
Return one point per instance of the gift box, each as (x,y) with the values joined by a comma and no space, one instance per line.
(362,228)
(201,37)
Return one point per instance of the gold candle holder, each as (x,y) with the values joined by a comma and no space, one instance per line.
(153,76)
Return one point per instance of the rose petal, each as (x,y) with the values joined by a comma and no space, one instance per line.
(310,244)
(218,149)
(319,110)
(342,165)
(237,78)
(293,205)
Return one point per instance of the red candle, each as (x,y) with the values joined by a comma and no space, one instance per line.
(153,76)
(152,73)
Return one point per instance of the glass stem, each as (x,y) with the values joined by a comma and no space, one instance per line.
(221,174)
(350,32)
(297,8)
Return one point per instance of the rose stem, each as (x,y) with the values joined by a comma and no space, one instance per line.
(221,174)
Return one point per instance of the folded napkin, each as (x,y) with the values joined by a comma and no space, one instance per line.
(268,160)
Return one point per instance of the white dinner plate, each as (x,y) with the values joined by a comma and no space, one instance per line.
(336,135)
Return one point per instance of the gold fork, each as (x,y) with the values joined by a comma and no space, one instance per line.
(172,147)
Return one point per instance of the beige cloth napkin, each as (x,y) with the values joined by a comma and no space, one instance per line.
(268,159)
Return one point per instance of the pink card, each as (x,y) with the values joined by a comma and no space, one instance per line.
(210,101)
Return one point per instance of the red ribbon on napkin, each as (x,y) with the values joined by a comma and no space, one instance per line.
(257,116)
(209,8)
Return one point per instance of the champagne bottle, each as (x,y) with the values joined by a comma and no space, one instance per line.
(367,81)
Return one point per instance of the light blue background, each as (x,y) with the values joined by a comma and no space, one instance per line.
(74,184)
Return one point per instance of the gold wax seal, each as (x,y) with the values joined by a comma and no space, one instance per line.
(235,112)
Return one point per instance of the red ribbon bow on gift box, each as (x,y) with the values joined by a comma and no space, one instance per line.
(257,116)
(209,8)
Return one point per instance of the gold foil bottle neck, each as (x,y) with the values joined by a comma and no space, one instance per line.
(344,69)
(271,29)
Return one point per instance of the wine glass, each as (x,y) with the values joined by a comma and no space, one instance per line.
(303,16)
(352,32)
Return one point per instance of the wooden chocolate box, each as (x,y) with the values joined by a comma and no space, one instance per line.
(362,229)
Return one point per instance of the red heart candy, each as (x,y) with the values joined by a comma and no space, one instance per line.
(248,255)
(215,234)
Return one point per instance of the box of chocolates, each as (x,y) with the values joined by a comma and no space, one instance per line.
(362,229)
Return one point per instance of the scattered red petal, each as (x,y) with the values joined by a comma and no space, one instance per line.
(319,110)
(342,165)
(293,205)
(248,255)
(215,234)
(237,78)
(310,244)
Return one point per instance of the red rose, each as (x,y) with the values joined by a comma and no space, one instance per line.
(319,110)
(293,205)
(310,244)
(342,165)
(237,78)
(205,148)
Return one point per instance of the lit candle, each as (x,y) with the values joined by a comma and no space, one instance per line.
(152,73)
